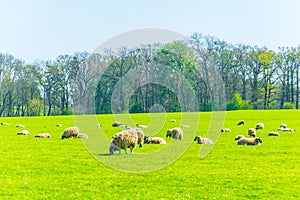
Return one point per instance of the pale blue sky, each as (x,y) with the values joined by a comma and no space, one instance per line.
(44,29)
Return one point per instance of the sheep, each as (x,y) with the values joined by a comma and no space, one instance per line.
(141,126)
(176,133)
(273,134)
(241,122)
(71,132)
(23,132)
(154,140)
(283,126)
(201,140)
(184,126)
(225,130)
(252,132)
(140,134)
(43,135)
(83,135)
(172,120)
(288,130)
(122,140)
(169,133)
(238,137)
(4,124)
(250,141)
(116,124)
(20,126)
(58,125)
(259,126)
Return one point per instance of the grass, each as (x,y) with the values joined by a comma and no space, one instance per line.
(33,168)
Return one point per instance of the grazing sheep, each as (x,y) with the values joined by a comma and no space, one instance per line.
(58,125)
(250,141)
(238,137)
(252,132)
(260,126)
(154,140)
(169,133)
(116,124)
(225,130)
(83,135)
(241,122)
(140,134)
(201,140)
(283,126)
(175,133)
(71,132)
(20,126)
(184,126)
(141,126)
(43,135)
(172,120)
(23,132)
(122,140)
(288,130)
(4,124)
(273,134)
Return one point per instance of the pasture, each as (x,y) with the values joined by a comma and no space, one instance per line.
(41,168)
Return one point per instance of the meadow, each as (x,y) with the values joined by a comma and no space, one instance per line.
(35,168)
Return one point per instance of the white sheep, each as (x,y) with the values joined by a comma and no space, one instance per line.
(116,124)
(20,126)
(141,126)
(250,141)
(238,137)
(23,132)
(58,125)
(283,126)
(288,130)
(241,122)
(4,124)
(252,132)
(83,135)
(225,130)
(43,135)
(273,134)
(175,133)
(260,126)
(201,140)
(71,132)
(172,120)
(123,140)
(154,140)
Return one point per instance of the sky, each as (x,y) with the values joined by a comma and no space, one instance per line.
(44,29)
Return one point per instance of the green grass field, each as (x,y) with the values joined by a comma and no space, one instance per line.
(35,168)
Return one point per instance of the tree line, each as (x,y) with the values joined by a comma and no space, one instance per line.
(201,73)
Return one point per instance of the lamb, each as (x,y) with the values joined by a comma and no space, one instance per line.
(23,132)
(201,140)
(175,133)
(4,124)
(141,126)
(250,141)
(20,126)
(71,132)
(225,130)
(238,137)
(154,140)
(252,132)
(116,124)
(273,134)
(241,122)
(43,135)
(83,135)
(122,140)
(260,126)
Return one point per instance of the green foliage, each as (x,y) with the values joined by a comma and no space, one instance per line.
(288,105)
(36,107)
(238,104)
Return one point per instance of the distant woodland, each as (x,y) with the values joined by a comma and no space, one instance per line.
(202,73)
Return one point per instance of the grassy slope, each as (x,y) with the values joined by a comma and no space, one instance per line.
(62,169)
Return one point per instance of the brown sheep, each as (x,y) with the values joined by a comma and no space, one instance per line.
(241,122)
(154,140)
(273,134)
(252,132)
(238,137)
(201,140)
(123,140)
(43,135)
(250,141)
(71,132)
(169,134)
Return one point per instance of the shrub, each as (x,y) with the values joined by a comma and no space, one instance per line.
(288,105)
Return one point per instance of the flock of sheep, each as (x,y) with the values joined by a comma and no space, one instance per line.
(130,137)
